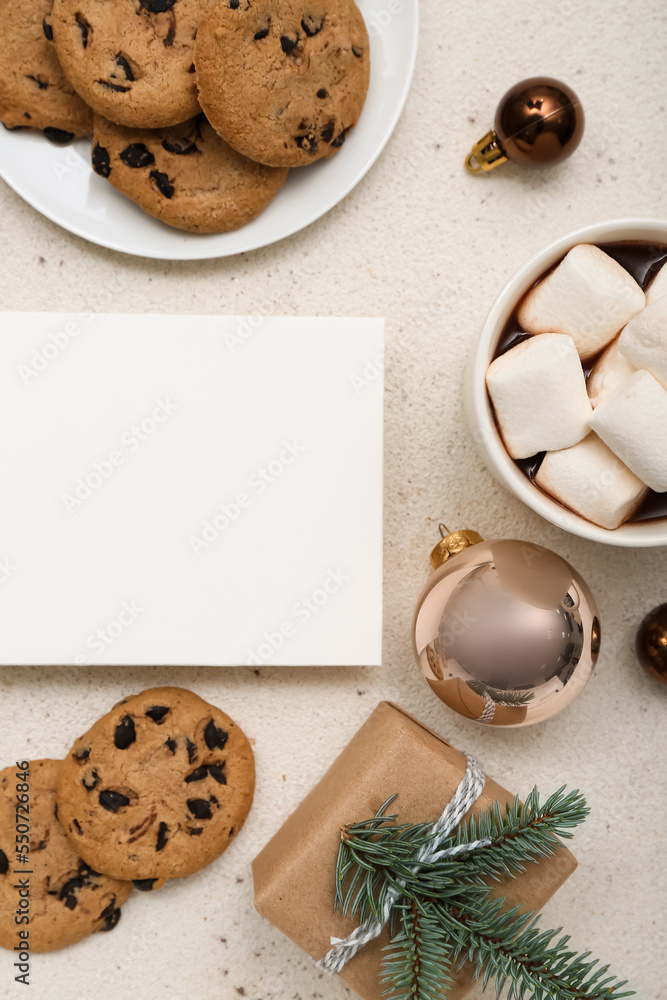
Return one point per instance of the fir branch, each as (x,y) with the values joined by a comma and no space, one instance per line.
(446,912)
(377,853)
(508,945)
(526,833)
(513,699)
(418,960)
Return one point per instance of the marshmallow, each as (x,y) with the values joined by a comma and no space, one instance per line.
(588,296)
(658,286)
(632,421)
(609,370)
(590,480)
(539,394)
(644,340)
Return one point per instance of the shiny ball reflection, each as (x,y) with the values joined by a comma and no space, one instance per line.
(652,643)
(539,122)
(506,633)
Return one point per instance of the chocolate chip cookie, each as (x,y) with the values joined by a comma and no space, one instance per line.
(158,787)
(283,81)
(34,92)
(185,175)
(68,900)
(131,60)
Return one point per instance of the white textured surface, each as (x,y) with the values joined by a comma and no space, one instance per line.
(427,246)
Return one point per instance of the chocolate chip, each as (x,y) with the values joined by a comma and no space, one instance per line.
(198,775)
(55,810)
(91,780)
(46,28)
(82,754)
(157,6)
(192,751)
(113,801)
(192,68)
(162,183)
(144,884)
(42,84)
(101,160)
(137,155)
(61,137)
(108,910)
(78,827)
(125,66)
(170,745)
(86,872)
(288,43)
(339,140)
(67,894)
(113,86)
(26,114)
(196,831)
(162,832)
(306,142)
(181,147)
(328,131)
(262,33)
(4,863)
(217,772)
(110,915)
(321,93)
(311,25)
(231,831)
(199,808)
(214,736)
(234,4)
(126,734)
(157,713)
(13,128)
(111,921)
(357,52)
(41,844)
(84,28)
(168,39)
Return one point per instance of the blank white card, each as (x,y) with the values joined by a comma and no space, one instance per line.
(190,490)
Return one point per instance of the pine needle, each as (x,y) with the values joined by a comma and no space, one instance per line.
(446,915)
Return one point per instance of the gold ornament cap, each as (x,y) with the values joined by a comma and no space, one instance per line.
(485,154)
(451,543)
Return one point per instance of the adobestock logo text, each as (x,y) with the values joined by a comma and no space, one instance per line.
(130,442)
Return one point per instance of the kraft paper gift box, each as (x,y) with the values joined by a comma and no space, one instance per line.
(392,752)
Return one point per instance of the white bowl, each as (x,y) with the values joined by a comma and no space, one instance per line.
(476,400)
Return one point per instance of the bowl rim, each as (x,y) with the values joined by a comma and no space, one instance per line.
(480,416)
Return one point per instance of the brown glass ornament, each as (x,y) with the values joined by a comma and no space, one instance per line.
(651,643)
(505,632)
(539,122)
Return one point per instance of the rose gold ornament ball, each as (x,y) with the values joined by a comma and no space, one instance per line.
(506,632)
(652,643)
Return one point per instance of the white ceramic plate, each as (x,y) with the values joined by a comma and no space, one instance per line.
(59,181)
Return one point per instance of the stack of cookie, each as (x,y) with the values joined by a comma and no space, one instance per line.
(198,108)
(156,789)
